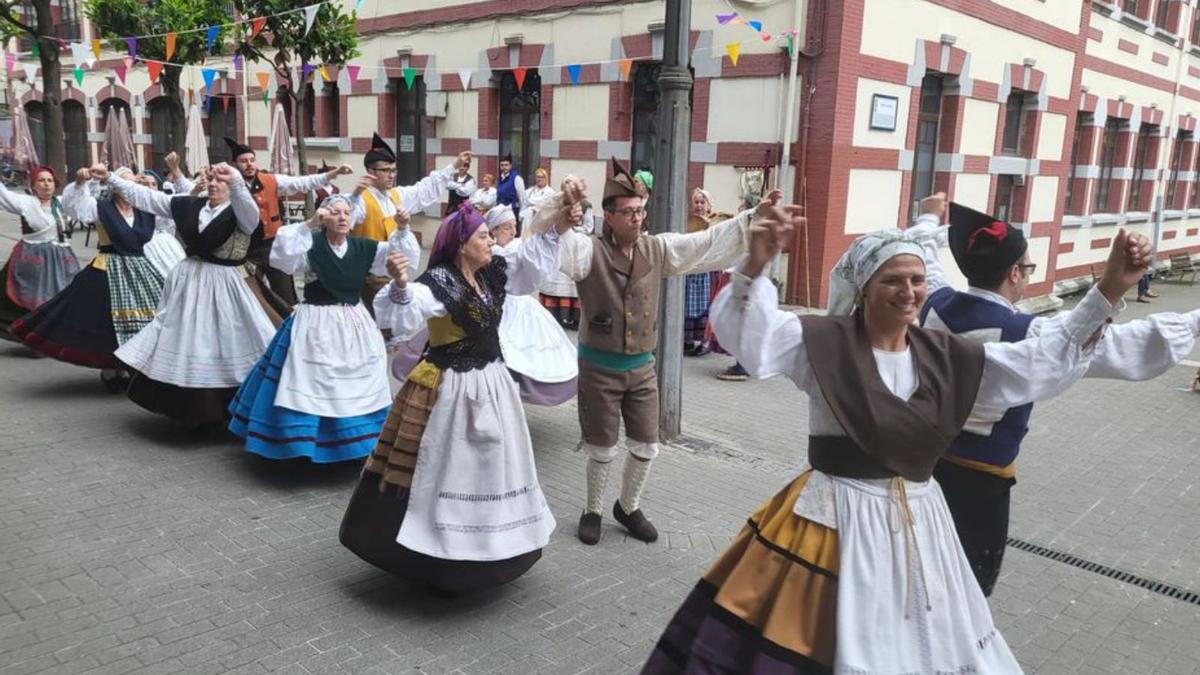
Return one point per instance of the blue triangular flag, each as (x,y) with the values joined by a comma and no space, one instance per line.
(209,74)
(756,25)
(573,70)
(212,37)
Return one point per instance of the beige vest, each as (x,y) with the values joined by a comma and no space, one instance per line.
(619,297)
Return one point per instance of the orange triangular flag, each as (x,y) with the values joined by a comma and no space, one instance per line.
(155,67)
(519,76)
(263,79)
(626,65)
(170,45)
(256,26)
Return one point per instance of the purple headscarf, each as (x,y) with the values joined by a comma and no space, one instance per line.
(456,228)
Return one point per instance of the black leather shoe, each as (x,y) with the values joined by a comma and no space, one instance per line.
(589,528)
(637,523)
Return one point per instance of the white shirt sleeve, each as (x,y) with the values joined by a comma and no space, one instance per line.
(716,248)
(765,340)
(291,185)
(358,209)
(242,203)
(406,312)
(519,185)
(1137,350)
(14,202)
(426,192)
(142,197)
(404,241)
(79,202)
(289,252)
(464,189)
(534,262)
(1042,367)
(933,236)
(182,184)
(575,255)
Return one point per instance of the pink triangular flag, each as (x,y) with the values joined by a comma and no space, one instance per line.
(120,71)
(352,71)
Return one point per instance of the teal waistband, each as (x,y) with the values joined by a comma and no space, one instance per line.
(614,361)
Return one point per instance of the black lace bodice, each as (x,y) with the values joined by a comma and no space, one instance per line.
(478,317)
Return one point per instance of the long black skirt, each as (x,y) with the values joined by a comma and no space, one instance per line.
(76,325)
(191,406)
(372,523)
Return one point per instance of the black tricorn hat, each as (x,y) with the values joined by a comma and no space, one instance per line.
(237,149)
(380,152)
(983,246)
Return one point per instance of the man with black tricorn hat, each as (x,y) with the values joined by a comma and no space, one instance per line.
(979,471)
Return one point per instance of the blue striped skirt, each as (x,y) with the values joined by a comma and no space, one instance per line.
(281,433)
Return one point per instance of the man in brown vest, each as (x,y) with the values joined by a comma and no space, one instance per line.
(618,274)
(268,189)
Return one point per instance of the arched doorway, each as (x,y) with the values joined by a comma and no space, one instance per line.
(75,131)
(222,123)
(162,131)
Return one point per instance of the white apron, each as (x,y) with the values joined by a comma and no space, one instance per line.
(336,365)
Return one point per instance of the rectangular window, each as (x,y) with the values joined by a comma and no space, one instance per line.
(1131,7)
(1195,38)
(410,130)
(222,124)
(1142,164)
(1002,208)
(928,118)
(308,117)
(521,120)
(1164,17)
(1108,154)
(331,103)
(1176,163)
(1013,141)
(646,97)
(1076,184)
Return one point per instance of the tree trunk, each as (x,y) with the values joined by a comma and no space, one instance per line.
(56,151)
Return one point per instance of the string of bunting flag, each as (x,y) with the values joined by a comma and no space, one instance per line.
(82,56)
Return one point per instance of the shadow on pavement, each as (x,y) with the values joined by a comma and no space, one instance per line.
(288,474)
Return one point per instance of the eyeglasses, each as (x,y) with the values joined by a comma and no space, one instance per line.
(1028,270)
(630,212)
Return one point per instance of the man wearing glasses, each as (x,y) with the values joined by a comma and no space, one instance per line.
(380,207)
(617,274)
(978,472)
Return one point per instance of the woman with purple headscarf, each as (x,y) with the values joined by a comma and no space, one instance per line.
(450,497)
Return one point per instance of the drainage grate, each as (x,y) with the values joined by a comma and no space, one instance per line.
(1168,590)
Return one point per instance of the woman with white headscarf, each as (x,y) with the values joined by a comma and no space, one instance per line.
(321,389)
(855,566)
(536,348)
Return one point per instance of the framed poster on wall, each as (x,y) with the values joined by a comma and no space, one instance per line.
(883,112)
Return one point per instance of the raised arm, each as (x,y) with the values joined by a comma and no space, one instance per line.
(78,200)
(532,262)
(428,191)
(14,202)
(291,185)
(403,242)
(289,252)
(716,248)
(405,310)
(240,199)
(142,197)
(463,189)
(1137,350)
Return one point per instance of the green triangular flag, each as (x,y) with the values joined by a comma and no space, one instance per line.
(36,51)
(789,45)
(79,75)
(410,75)
(267,98)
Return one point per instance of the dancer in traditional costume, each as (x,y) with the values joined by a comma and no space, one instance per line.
(109,301)
(536,195)
(450,497)
(377,201)
(536,349)
(618,274)
(163,250)
(510,188)
(461,188)
(210,328)
(484,198)
(698,287)
(321,390)
(268,190)
(558,295)
(854,566)
(979,471)
(42,263)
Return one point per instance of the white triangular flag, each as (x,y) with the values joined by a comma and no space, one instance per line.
(79,52)
(310,15)
(30,72)
(465,76)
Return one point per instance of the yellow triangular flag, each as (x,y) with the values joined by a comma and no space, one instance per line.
(325,73)
(733,49)
(96,48)
(626,65)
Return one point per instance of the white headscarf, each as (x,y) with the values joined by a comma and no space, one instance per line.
(334,199)
(499,215)
(863,259)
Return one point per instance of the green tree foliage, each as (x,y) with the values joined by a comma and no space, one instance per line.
(117,19)
(42,30)
(333,40)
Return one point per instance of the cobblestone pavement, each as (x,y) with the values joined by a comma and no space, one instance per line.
(128,545)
